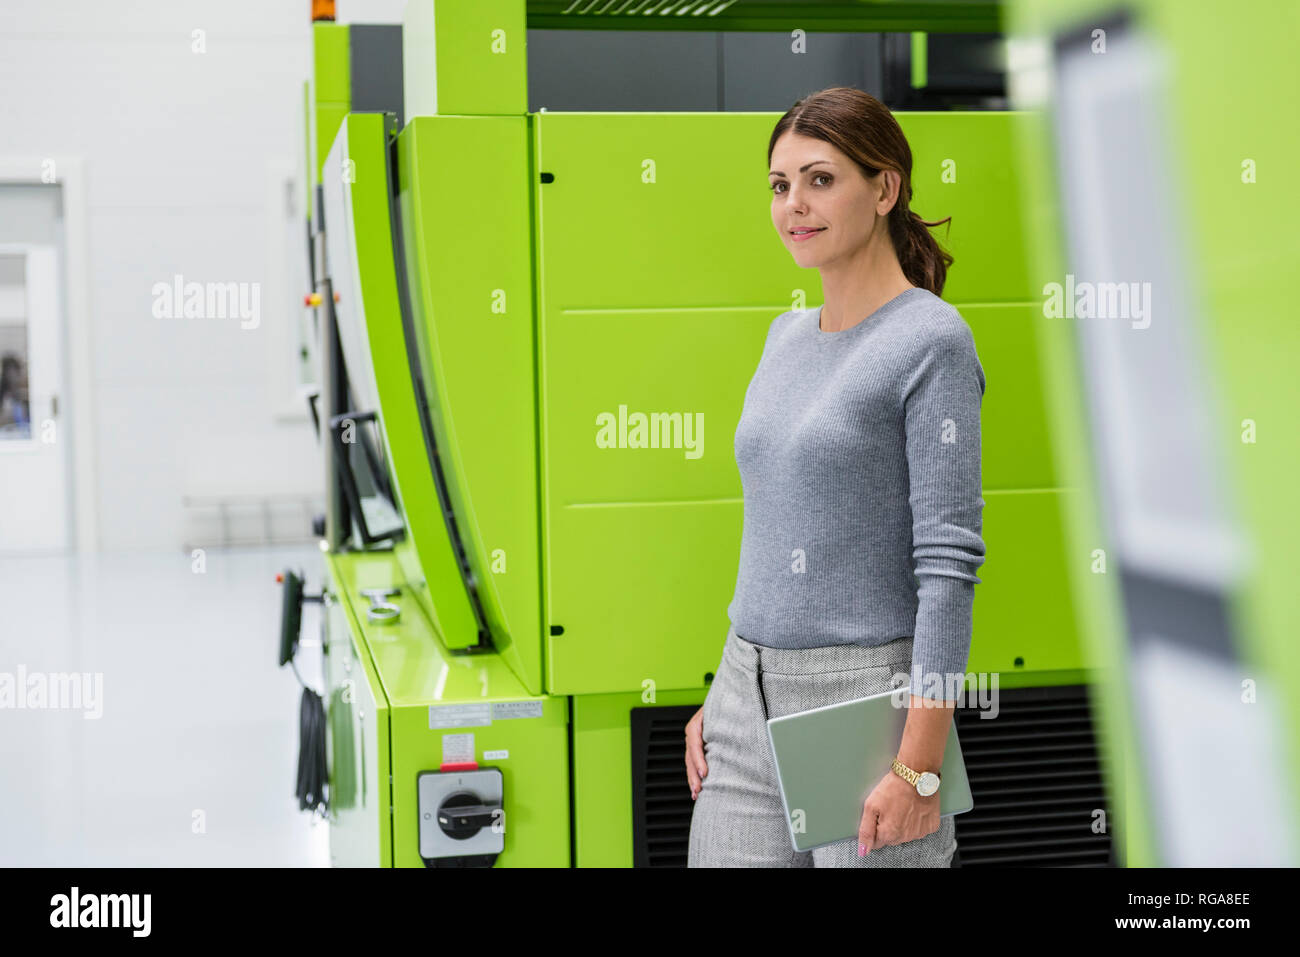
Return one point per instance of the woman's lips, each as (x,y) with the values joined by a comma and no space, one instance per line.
(800,237)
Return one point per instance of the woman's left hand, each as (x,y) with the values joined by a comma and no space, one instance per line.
(895,814)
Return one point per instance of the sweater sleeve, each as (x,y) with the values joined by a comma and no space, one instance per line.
(941,402)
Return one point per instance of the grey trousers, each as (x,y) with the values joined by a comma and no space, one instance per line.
(739,818)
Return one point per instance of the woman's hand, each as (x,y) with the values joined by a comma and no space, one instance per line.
(696,766)
(895,814)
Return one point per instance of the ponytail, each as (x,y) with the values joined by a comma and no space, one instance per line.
(924,262)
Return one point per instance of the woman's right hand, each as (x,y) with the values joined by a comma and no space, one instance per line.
(696,767)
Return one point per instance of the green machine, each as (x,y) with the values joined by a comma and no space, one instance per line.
(530,377)
(1153,162)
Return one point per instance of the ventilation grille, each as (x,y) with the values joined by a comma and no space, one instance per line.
(1034,775)
(781,16)
(661,798)
(645,8)
(1036,782)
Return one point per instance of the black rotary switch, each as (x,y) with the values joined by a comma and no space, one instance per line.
(463,814)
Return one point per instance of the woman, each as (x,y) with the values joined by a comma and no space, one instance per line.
(859,453)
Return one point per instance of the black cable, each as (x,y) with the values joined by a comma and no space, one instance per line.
(312,771)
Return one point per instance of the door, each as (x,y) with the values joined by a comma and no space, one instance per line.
(33,469)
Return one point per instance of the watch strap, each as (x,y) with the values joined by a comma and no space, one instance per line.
(908,775)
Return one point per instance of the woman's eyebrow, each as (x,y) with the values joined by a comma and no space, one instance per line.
(803,168)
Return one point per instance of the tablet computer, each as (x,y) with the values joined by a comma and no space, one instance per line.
(828,760)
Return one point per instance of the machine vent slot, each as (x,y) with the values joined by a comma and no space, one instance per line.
(1034,774)
(1036,780)
(632,8)
(780,16)
(661,798)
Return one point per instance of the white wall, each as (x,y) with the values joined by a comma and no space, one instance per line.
(185,156)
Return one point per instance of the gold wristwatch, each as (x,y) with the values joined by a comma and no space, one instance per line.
(925,782)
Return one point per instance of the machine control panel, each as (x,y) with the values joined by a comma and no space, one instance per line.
(462,817)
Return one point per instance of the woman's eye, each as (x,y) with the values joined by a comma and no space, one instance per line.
(816,177)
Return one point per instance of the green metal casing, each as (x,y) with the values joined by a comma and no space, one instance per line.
(359,751)
(331,93)
(1226,73)
(408,671)
(469,266)
(641,544)
(410,668)
(550,281)
(428,555)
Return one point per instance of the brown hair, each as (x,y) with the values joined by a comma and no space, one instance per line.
(863,128)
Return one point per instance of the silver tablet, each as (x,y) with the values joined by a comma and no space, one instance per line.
(828,760)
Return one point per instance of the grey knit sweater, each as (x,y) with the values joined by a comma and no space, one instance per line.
(859,454)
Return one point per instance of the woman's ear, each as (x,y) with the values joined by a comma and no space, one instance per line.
(890,182)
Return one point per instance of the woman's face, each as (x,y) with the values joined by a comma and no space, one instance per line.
(815,186)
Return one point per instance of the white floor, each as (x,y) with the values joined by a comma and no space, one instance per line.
(194,758)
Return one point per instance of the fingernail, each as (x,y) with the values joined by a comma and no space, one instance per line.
(862,849)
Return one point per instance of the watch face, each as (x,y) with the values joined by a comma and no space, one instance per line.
(927,784)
